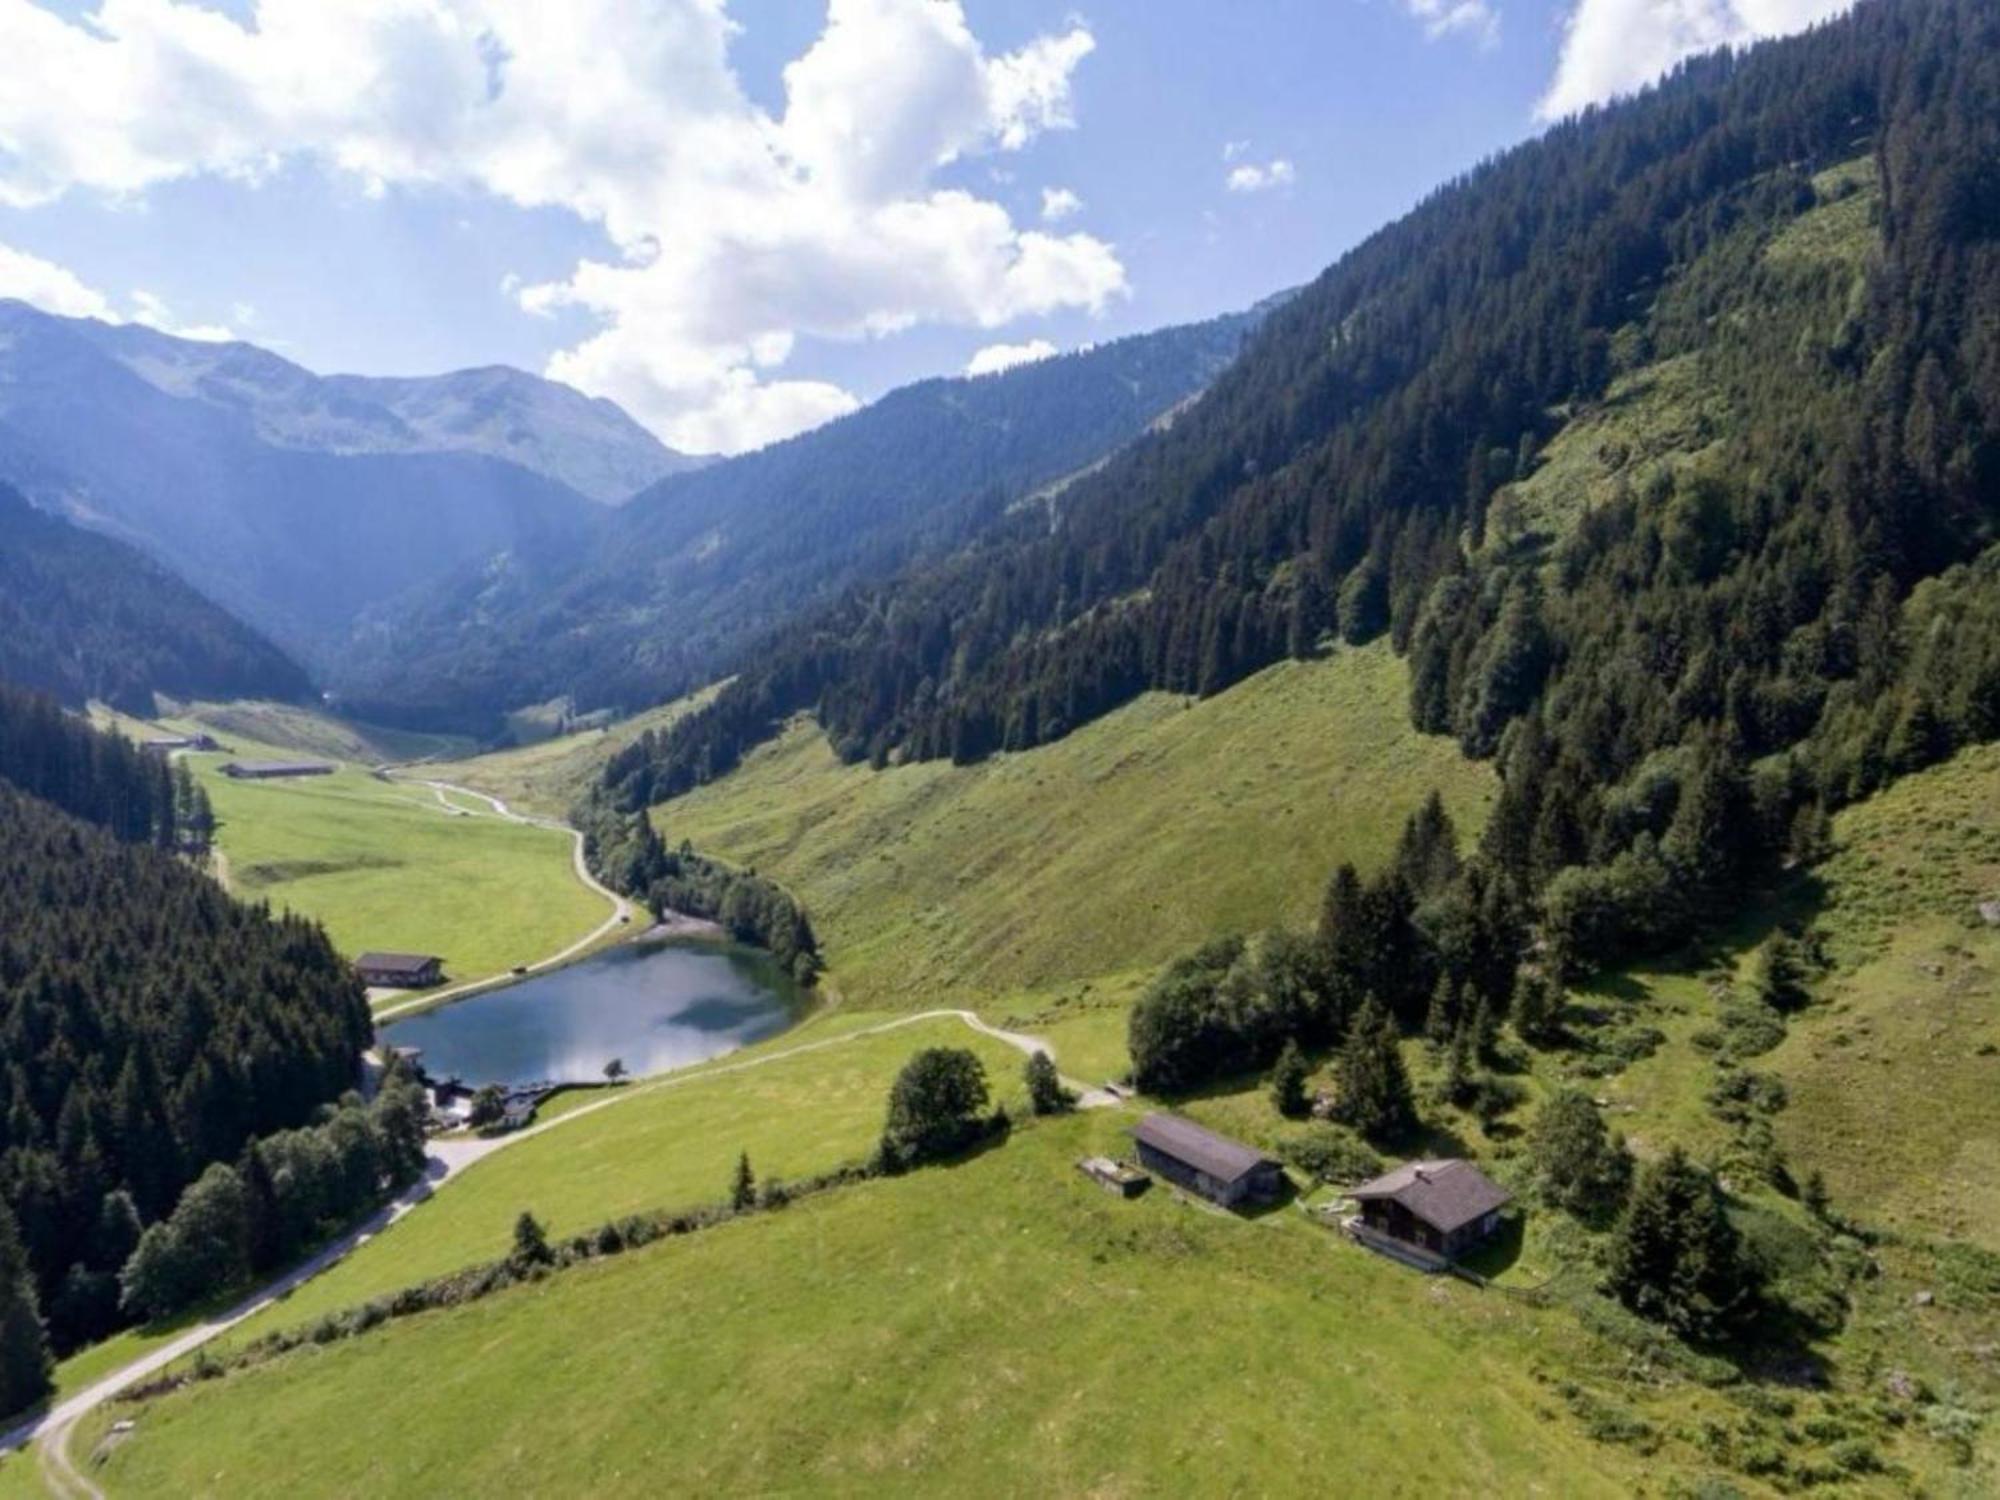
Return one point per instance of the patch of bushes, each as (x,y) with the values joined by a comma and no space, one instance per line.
(1329,1154)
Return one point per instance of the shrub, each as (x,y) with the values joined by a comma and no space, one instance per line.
(1328,1153)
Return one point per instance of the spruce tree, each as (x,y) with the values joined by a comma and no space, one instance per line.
(1536,1008)
(531,1243)
(743,1187)
(1579,1165)
(1675,1257)
(1288,1082)
(26,1366)
(1375,1095)
(1046,1094)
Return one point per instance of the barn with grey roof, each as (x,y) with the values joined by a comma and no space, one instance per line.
(1219,1169)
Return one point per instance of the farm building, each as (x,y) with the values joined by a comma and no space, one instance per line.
(271,770)
(1221,1170)
(1441,1207)
(400,971)
(168,744)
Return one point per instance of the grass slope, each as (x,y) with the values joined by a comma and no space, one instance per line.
(997,1327)
(1090,861)
(384,865)
(667,1147)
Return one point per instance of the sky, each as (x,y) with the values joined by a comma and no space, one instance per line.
(740,220)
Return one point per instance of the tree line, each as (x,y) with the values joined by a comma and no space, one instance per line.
(627,853)
(150,1026)
(103,779)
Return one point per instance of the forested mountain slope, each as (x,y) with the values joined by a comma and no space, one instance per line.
(293,504)
(669,595)
(83,616)
(150,1026)
(1803,239)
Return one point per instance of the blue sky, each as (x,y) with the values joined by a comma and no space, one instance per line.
(406,186)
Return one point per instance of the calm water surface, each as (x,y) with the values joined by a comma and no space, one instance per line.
(655,1005)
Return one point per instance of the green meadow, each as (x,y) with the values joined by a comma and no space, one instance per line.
(1051,882)
(384,864)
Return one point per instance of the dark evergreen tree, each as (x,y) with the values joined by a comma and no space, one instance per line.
(1579,1165)
(743,1186)
(26,1367)
(1288,1082)
(1046,1094)
(1675,1258)
(531,1244)
(1375,1096)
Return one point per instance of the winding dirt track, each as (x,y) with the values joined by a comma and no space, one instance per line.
(448,1158)
(621,909)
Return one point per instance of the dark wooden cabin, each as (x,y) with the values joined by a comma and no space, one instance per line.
(1219,1169)
(400,971)
(1443,1207)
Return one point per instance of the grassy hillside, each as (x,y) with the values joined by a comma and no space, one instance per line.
(1046,880)
(1910,1031)
(384,865)
(670,1146)
(1000,1327)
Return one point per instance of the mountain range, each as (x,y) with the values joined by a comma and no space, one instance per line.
(297,500)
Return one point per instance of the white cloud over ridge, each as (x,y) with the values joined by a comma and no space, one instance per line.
(1614,47)
(737,230)
(50,287)
(994,358)
(1059,203)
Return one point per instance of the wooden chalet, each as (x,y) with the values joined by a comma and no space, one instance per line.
(1442,1208)
(400,971)
(1219,1169)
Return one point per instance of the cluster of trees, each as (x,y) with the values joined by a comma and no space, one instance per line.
(629,855)
(687,576)
(149,1027)
(1350,474)
(284,1194)
(1433,945)
(101,778)
(85,617)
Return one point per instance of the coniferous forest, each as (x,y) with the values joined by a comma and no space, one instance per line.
(150,1025)
(1815,598)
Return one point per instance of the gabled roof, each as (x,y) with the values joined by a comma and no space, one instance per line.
(399,963)
(1204,1150)
(1446,1195)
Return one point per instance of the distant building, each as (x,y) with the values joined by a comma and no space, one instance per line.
(1219,1169)
(400,971)
(270,770)
(1442,1207)
(167,744)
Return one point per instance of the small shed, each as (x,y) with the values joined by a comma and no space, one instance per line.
(1219,1169)
(1126,1182)
(1444,1207)
(400,971)
(273,770)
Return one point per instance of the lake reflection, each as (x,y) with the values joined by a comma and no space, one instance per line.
(653,1005)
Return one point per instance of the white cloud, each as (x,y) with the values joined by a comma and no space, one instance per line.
(1059,203)
(997,357)
(1613,47)
(1250,177)
(154,313)
(735,230)
(1477,19)
(1231,150)
(51,287)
